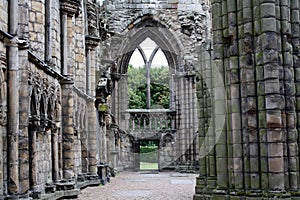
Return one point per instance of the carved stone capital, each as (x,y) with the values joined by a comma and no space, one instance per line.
(70,7)
(91,42)
(34,122)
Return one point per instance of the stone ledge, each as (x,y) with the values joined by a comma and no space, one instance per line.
(65,193)
(60,194)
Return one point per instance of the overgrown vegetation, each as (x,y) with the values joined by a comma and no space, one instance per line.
(149,153)
(159,87)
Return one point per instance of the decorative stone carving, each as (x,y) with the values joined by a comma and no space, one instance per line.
(42,102)
(91,42)
(104,28)
(70,7)
(193,25)
(92,11)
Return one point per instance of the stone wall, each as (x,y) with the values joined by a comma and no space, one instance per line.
(255,49)
(3,102)
(43,160)
(47,92)
(37,27)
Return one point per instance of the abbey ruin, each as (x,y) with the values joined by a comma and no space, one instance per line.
(234,102)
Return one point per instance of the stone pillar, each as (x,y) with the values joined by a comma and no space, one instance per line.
(3,119)
(148,96)
(91,40)
(48,31)
(24,100)
(68,10)
(248,95)
(274,101)
(55,154)
(34,124)
(13,103)
(294,135)
(24,120)
(93,131)
(64,39)
(88,71)
(68,129)
(257,44)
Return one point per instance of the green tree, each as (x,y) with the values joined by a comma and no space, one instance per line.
(159,87)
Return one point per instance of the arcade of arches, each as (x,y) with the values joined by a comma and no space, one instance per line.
(234,79)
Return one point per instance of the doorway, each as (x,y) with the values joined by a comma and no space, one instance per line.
(149,154)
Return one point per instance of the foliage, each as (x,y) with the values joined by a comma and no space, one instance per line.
(159,87)
(149,154)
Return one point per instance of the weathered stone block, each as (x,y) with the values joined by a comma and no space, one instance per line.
(276,181)
(268,24)
(275,136)
(267,10)
(274,102)
(272,87)
(270,56)
(275,149)
(274,119)
(264,180)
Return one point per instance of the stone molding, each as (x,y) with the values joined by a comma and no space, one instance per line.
(92,42)
(70,7)
(92,12)
(44,94)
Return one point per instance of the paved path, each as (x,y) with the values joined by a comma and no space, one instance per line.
(142,186)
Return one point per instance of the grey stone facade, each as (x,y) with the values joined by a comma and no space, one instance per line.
(255,48)
(64,117)
(48,117)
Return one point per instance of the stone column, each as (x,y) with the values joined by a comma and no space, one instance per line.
(248,94)
(294,135)
(93,131)
(48,31)
(24,98)
(55,157)
(148,72)
(64,39)
(24,120)
(257,43)
(34,124)
(13,103)
(88,71)
(68,129)
(68,10)
(274,101)
(3,118)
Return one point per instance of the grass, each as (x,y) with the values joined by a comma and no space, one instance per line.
(148,166)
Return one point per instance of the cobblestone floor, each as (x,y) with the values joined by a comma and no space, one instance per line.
(144,185)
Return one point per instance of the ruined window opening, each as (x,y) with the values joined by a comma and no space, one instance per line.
(148,77)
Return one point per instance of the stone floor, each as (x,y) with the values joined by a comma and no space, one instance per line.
(144,185)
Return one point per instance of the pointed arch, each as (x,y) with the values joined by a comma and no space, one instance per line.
(162,36)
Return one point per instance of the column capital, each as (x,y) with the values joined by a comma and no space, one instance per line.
(91,42)
(70,7)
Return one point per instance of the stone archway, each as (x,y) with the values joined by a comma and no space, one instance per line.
(177,47)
